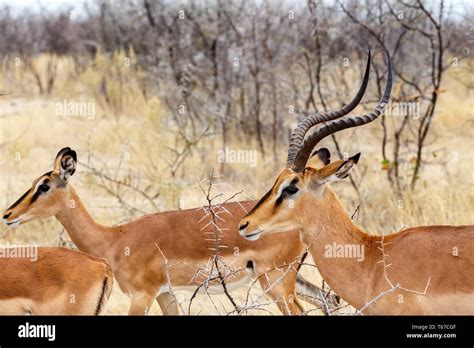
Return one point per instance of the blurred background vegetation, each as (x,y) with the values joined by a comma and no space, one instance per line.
(172,82)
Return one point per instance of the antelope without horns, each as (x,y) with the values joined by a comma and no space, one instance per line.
(58,281)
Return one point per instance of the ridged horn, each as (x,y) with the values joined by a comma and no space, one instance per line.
(338,125)
(298,134)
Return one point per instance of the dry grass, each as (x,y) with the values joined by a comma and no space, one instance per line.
(32,132)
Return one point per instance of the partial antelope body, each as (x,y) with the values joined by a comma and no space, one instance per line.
(141,252)
(421,270)
(59,282)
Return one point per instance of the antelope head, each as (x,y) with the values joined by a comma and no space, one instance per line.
(48,193)
(300,183)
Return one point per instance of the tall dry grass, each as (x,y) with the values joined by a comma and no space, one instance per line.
(129,124)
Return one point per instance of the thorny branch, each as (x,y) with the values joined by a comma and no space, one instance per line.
(218,264)
(392,285)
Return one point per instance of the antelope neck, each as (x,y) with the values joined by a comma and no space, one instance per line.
(329,229)
(88,235)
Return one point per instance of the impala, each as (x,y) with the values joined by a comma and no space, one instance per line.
(58,281)
(420,270)
(140,252)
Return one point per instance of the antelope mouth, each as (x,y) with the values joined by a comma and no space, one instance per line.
(254,235)
(13,223)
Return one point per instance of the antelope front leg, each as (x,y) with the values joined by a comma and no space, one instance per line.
(168,303)
(282,291)
(141,304)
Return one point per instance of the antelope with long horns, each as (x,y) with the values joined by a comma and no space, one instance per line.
(420,270)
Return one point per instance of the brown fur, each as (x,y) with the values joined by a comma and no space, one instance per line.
(135,250)
(47,285)
(412,257)
(139,268)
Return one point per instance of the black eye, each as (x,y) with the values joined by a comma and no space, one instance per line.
(43,188)
(287,191)
(291,190)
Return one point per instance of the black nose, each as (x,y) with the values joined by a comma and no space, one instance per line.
(7,215)
(243,226)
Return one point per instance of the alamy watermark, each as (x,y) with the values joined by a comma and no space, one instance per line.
(19,251)
(229,155)
(349,251)
(28,330)
(74,108)
(403,109)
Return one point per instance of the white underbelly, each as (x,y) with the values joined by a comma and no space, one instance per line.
(452,304)
(15,306)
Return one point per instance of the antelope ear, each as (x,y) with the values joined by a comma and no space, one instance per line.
(319,158)
(343,171)
(324,155)
(337,171)
(65,163)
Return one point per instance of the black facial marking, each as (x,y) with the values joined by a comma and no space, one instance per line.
(294,182)
(279,200)
(41,188)
(264,198)
(35,196)
(27,192)
(260,202)
(19,200)
(288,191)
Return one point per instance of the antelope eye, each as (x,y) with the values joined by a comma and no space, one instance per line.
(291,190)
(43,188)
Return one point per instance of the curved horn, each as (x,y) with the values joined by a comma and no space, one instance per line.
(338,125)
(297,137)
